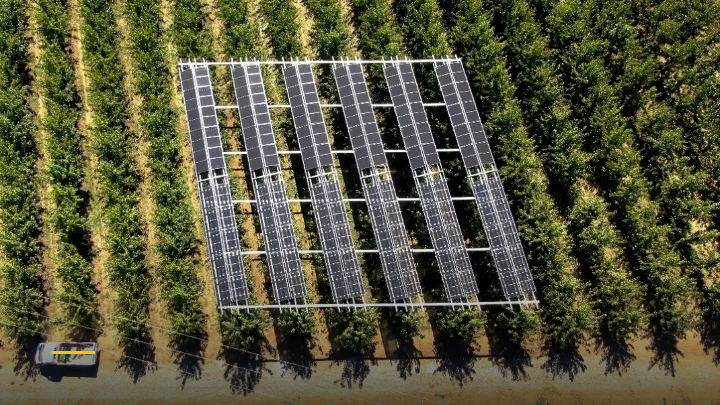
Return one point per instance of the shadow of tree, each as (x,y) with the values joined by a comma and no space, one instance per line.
(244,370)
(24,357)
(508,356)
(456,359)
(355,366)
(665,352)
(296,353)
(564,361)
(710,340)
(188,357)
(616,353)
(709,327)
(408,359)
(138,358)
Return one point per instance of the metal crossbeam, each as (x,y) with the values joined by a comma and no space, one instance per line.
(221,231)
(455,269)
(357,251)
(337,151)
(469,304)
(376,105)
(312,62)
(310,200)
(385,215)
(333,225)
(492,203)
(286,274)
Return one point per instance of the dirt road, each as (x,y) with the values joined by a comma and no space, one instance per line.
(417,379)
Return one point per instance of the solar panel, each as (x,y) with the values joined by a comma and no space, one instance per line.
(359,116)
(333,225)
(391,238)
(413,122)
(283,258)
(218,213)
(464,116)
(388,225)
(505,245)
(307,116)
(255,117)
(455,268)
(286,274)
(445,234)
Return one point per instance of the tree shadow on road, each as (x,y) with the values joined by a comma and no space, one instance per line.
(456,359)
(508,356)
(564,361)
(244,370)
(296,354)
(408,359)
(24,357)
(355,365)
(616,353)
(666,352)
(138,358)
(188,356)
(710,339)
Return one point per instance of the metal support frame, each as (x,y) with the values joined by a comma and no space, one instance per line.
(478,304)
(235,63)
(384,209)
(429,177)
(359,251)
(341,262)
(375,105)
(372,176)
(286,275)
(339,151)
(485,182)
(215,200)
(353,200)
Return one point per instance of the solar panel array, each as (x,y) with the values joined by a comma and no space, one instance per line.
(281,248)
(498,222)
(452,257)
(333,226)
(215,200)
(390,233)
(283,258)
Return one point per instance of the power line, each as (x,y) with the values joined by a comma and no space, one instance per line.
(153,345)
(222,345)
(156,364)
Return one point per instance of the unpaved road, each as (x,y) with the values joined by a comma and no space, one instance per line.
(477,380)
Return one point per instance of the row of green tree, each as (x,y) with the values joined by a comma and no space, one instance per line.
(176,270)
(21,272)
(618,167)
(113,149)
(615,296)
(55,79)
(665,76)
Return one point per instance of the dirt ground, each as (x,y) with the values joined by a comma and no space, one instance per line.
(418,378)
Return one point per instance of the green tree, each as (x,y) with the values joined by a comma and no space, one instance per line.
(565,312)
(21,270)
(462,324)
(353,330)
(297,323)
(618,170)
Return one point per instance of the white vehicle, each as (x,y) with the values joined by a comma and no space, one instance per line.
(44,354)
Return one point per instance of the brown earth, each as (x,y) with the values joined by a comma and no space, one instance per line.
(419,379)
